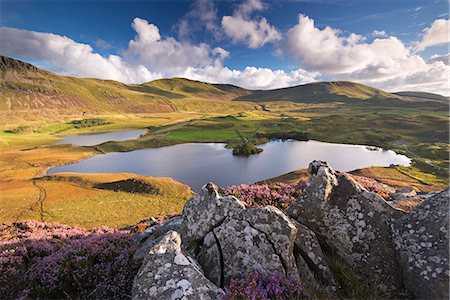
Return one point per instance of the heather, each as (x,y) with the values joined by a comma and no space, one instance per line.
(279,195)
(273,286)
(42,260)
(374,186)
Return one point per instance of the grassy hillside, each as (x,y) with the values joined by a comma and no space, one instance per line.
(341,91)
(27,92)
(423,95)
(26,88)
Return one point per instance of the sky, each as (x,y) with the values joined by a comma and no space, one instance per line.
(395,45)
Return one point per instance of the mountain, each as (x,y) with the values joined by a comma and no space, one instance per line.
(339,91)
(423,95)
(25,87)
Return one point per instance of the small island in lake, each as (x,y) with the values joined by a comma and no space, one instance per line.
(246,149)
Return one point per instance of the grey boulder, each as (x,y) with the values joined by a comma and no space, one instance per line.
(422,240)
(351,221)
(167,273)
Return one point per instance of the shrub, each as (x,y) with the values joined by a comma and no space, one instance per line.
(19,130)
(279,195)
(42,260)
(273,286)
(89,123)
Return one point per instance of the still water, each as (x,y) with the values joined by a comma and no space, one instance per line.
(197,164)
(99,138)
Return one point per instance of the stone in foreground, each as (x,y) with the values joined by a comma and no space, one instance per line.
(234,241)
(167,273)
(422,240)
(351,221)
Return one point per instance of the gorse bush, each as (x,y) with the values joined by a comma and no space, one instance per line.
(41,260)
(279,195)
(259,286)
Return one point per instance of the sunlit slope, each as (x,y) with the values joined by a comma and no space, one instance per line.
(341,91)
(423,95)
(25,87)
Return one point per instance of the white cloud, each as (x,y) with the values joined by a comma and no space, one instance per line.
(69,57)
(445,58)
(240,27)
(166,55)
(437,34)
(251,77)
(148,57)
(379,33)
(385,62)
(325,54)
(202,14)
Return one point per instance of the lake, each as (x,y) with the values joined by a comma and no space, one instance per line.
(197,164)
(100,138)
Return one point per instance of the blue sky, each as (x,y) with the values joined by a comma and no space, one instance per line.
(264,44)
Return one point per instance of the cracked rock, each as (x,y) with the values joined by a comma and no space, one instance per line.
(351,221)
(167,273)
(422,240)
(234,240)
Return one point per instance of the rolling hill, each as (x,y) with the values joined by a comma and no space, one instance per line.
(25,87)
(341,91)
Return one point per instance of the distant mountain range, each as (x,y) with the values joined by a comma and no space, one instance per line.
(26,87)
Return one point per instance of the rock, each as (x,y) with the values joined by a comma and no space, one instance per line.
(207,210)
(233,240)
(401,195)
(151,235)
(243,249)
(351,221)
(167,273)
(310,258)
(422,240)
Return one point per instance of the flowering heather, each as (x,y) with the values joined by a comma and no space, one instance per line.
(279,195)
(42,260)
(273,286)
(373,186)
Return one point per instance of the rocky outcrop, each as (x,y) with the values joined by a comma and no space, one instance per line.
(422,240)
(351,221)
(233,240)
(150,236)
(167,273)
(218,238)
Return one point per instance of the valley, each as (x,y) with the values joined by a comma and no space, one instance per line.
(37,107)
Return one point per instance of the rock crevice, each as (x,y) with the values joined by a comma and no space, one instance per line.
(218,238)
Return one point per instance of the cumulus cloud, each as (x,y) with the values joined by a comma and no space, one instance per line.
(251,77)
(167,55)
(69,57)
(201,15)
(437,34)
(445,58)
(324,54)
(379,33)
(385,62)
(256,32)
(148,57)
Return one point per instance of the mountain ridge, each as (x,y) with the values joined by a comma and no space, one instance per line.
(26,87)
